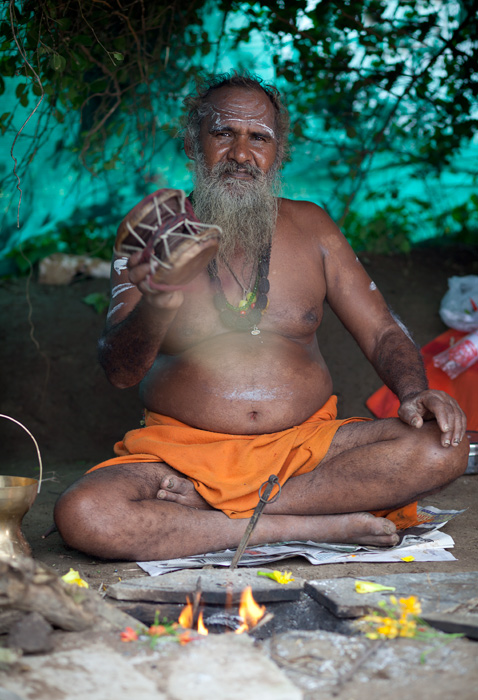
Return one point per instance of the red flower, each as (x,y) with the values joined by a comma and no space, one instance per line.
(129,635)
(186,637)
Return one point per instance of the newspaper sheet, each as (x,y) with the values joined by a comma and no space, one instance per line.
(424,542)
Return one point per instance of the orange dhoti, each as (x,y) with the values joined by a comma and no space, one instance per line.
(228,470)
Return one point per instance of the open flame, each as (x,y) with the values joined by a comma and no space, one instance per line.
(185,619)
(249,611)
(202,629)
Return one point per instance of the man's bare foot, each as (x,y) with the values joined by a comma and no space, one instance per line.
(355,528)
(347,528)
(178,489)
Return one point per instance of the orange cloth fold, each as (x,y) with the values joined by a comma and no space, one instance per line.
(228,470)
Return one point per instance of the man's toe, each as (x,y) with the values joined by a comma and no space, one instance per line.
(175,484)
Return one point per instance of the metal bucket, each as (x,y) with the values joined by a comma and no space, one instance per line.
(472,467)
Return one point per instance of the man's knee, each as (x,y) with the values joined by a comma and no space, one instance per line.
(446,463)
(81,519)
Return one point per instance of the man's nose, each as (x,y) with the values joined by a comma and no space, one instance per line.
(239,151)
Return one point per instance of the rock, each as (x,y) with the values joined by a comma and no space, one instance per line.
(32,634)
(217,587)
(8,695)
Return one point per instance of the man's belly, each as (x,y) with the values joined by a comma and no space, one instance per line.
(239,383)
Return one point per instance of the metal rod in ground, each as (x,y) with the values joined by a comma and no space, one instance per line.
(263,500)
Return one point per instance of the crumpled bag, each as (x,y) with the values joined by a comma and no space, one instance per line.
(459,306)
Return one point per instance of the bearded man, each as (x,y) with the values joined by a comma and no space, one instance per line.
(235,388)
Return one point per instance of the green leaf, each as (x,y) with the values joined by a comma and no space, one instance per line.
(20,89)
(58,62)
(118,56)
(98,301)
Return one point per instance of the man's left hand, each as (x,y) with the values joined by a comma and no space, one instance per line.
(430,404)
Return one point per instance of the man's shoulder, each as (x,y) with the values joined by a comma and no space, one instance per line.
(304,212)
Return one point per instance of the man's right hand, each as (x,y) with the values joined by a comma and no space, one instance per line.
(140,275)
(166,242)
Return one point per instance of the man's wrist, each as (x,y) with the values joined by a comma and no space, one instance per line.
(411,394)
(166,301)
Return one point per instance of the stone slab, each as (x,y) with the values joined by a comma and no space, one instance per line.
(218,587)
(328,666)
(454,623)
(449,598)
(228,667)
(91,671)
(218,667)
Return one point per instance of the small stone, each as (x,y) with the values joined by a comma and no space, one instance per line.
(32,634)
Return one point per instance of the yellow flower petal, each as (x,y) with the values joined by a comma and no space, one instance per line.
(74,577)
(279,576)
(371,587)
(410,558)
(411,605)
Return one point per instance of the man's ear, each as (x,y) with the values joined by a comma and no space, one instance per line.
(188,149)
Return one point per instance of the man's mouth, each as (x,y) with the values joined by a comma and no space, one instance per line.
(241,175)
(240,172)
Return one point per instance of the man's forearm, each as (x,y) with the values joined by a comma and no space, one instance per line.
(128,350)
(399,364)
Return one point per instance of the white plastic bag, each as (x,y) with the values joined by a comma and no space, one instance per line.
(459,306)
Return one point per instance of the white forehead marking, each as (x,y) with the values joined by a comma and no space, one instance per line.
(115,309)
(120,288)
(221,117)
(373,286)
(120,265)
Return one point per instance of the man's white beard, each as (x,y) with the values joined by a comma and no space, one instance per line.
(246,210)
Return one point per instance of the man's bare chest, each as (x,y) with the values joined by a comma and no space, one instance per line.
(294,305)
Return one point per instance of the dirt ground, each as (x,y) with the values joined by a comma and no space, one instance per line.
(51,382)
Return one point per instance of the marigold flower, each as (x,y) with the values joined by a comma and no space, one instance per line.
(411,605)
(372,635)
(74,577)
(388,628)
(128,635)
(279,576)
(371,587)
(408,628)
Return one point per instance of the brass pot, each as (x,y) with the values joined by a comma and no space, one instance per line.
(17,495)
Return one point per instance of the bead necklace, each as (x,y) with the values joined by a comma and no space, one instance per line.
(247,315)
